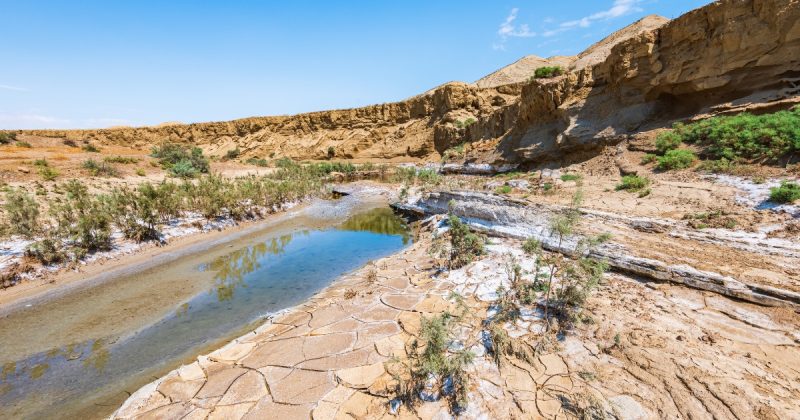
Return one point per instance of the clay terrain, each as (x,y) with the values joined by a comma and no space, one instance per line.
(579,250)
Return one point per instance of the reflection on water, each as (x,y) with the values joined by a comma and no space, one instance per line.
(380,220)
(91,378)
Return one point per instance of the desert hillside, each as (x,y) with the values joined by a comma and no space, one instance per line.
(727,56)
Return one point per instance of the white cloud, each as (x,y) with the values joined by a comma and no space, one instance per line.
(14,88)
(618,8)
(12,121)
(509,29)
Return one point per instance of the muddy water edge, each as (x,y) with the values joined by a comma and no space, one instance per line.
(80,354)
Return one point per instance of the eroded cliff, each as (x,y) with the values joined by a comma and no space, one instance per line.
(727,56)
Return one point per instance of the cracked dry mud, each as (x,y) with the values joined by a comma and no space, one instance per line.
(652,350)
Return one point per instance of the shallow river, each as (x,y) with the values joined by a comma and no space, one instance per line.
(81,354)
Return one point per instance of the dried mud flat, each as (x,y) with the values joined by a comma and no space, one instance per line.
(652,350)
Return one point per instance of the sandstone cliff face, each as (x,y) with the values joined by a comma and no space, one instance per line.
(722,57)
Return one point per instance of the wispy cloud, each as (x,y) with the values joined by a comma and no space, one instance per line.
(617,9)
(15,121)
(509,29)
(14,88)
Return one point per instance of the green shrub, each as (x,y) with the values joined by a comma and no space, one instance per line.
(666,141)
(47,251)
(22,212)
(632,183)
(91,148)
(233,153)
(454,152)
(721,165)
(41,162)
(745,135)
(503,189)
(100,168)
(570,177)
(83,219)
(648,158)
(331,152)
(548,72)
(47,173)
(465,245)
(531,246)
(787,192)
(120,159)
(466,123)
(24,144)
(257,162)
(676,159)
(140,172)
(7,137)
(180,160)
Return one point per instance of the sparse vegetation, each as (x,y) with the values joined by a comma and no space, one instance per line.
(22,212)
(666,141)
(503,189)
(120,159)
(547,72)
(465,123)
(767,136)
(331,152)
(715,219)
(88,147)
(632,183)
(257,162)
(648,158)
(787,192)
(180,160)
(233,153)
(24,144)
(140,172)
(7,137)
(70,143)
(48,173)
(103,168)
(570,177)
(455,152)
(676,159)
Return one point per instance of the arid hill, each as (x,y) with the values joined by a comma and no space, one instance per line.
(727,56)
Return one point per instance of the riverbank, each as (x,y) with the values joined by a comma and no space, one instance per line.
(48,283)
(650,350)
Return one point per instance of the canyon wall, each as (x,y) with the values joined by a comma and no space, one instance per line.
(728,56)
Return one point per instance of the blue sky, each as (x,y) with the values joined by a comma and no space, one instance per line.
(106,63)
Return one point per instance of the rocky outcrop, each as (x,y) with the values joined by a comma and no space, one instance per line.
(728,56)
(508,217)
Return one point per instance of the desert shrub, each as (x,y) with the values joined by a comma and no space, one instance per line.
(648,158)
(531,246)
(632,183)
(722,165)
(100,168)
(547,187)
(548,72)
(257,162)
(465,123)
(331,152)
(666,141)
(180,160)
(135,212)
(48,173)
(465,245)
(454,152)
(7,137)
(570,177)
(233,153)
(787,192)
(47,251)
(90,148)
(70,143)
(41,162)
(120,159)
(140,172)
(676,159)
(503,189)
(24,144)
(745,135)
(83,219)
(22,212)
